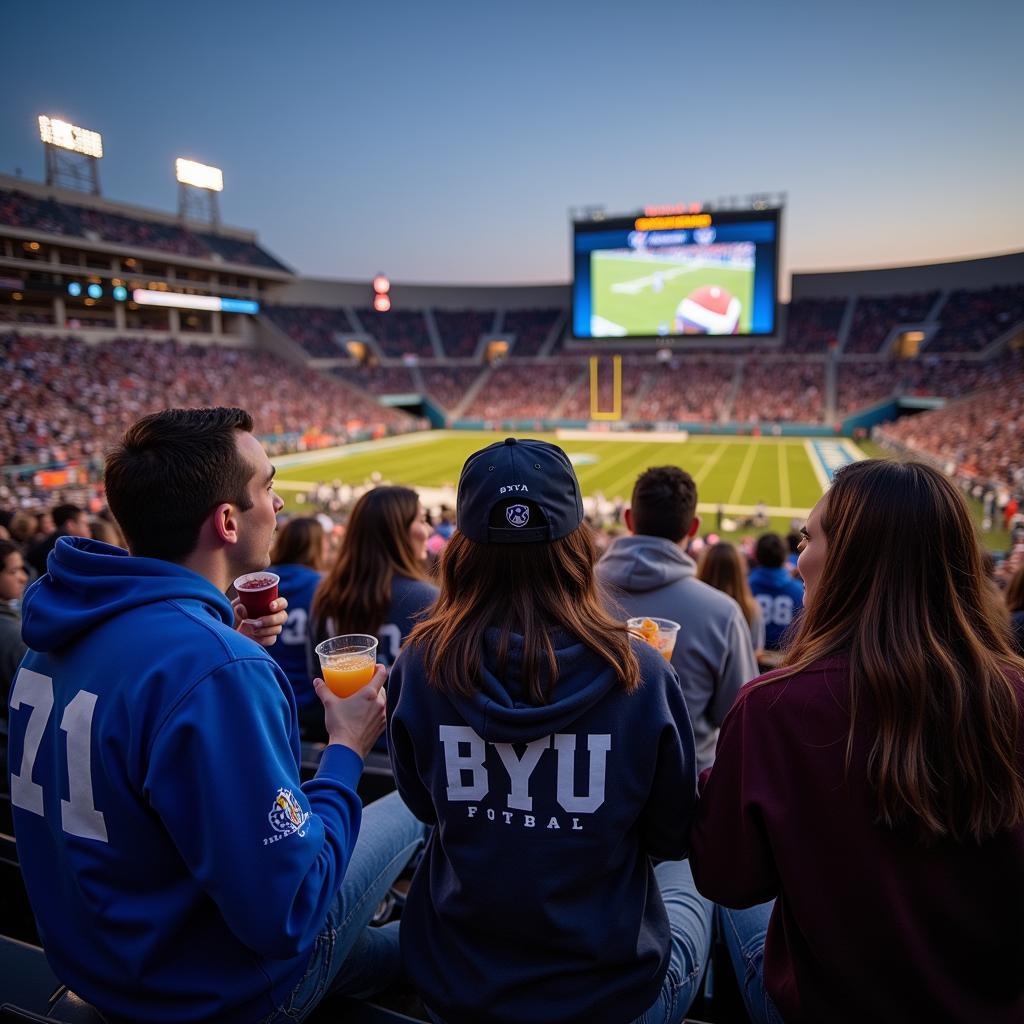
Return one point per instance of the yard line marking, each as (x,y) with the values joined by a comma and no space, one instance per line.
(741,479)
(711,463)
(784,474)
(815,461)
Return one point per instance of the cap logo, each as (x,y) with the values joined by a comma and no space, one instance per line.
(517,515)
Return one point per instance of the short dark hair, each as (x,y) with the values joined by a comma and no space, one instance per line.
(170,470)
(770,551)
(63,514)
(664,503)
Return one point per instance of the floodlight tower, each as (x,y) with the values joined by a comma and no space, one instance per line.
(198,185)
(72,154)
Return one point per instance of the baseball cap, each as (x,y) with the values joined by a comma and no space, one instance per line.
(517,492)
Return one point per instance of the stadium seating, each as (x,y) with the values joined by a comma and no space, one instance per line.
(379,380)
(874,318)
(399,332)
(312,327)
(531,328)
(813,324)
(780,391)
(460,330)
(18,209)
(523,392)
(448,385)
(972,320)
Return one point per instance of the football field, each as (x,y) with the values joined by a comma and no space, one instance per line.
(643,294)
(787,475)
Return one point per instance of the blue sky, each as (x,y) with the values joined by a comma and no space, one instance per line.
(446,142)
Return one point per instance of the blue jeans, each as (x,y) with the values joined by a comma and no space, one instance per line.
(348,957)
(689,918)
(743,932)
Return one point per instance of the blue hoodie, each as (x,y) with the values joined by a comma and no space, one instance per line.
(176,868)
(536,900)
(781,599)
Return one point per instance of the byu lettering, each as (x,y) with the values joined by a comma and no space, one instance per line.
(512,488)
(465,754)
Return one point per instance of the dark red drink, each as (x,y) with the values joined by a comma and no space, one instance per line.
(257,590)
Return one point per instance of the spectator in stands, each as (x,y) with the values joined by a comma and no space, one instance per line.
(299,557)
(1015,602)
(780,596)
(188,868)
(537,899)
(12,585)
(378,585)
(874,787)
(651,574)
(68,521)
(723,567)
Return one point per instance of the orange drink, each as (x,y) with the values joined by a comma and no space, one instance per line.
(659,633)
(348,673)
(347,662)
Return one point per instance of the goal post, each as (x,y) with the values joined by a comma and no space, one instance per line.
(596,412)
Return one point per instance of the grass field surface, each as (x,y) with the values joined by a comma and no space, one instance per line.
(625,291)
(732,471)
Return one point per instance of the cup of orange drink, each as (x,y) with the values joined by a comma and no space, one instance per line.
(659,633)
(347,662)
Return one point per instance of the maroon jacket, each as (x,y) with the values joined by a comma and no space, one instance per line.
(869,925)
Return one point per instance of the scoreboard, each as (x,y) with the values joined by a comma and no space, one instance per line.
(676,271)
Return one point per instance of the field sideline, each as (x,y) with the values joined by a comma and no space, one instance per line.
(736,472)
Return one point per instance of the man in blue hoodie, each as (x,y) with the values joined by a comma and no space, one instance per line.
(177,869)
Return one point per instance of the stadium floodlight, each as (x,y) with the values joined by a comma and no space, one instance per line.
(55,132)
(199,175)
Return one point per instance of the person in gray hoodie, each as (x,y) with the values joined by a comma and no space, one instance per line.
(12,585)
(650,574)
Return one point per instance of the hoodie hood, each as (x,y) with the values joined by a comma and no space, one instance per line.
(641,563)
(500,713)
(88,582)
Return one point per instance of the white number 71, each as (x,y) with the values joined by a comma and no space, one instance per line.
(78,816)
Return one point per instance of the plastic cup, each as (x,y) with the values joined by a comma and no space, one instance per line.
(662,636)
(256,590)
(347,662)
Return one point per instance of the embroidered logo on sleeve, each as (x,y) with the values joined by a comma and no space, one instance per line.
(286,817)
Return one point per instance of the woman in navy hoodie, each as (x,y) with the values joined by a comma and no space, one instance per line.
(554,755)
(866,805)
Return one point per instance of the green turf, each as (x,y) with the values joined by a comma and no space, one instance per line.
(646,311)
(728,470)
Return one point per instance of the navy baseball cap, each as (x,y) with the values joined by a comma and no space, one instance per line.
(518,492)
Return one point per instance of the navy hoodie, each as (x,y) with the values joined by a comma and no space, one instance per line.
(176,868)
(536,900)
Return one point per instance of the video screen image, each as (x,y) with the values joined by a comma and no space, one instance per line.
(713,280)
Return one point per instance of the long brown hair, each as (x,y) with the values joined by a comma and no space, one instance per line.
(721,566)
(902,591)
(300,542)
(1015,591)
(528,589)
(356,592)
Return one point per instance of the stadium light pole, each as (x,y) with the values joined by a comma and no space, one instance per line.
(198,188)
(72,154)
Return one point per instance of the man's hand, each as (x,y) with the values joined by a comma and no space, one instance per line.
(265,629)
(355,721)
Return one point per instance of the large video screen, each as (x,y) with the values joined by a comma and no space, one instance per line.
(713,273)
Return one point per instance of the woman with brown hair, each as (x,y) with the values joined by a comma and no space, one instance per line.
(554,755)
(723,567)
(873,787)
(379,584)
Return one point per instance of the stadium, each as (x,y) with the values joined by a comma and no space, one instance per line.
(671,346)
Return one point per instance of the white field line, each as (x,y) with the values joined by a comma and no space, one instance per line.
(819,469)
(852,450)
(744,473)
(341,451)
(784,474)
(712,461)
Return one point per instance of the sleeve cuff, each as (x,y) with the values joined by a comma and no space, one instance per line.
(342,764)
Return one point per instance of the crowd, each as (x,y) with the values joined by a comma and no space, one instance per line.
(461,329)
(972,320)
(379,380)
(524,392)
(448,386)
(399,332)
(978,438)
(313,327)
(18,209)
(531,328)
(582,805)
(875,316)
(779,390)
(812,325)
(66,400)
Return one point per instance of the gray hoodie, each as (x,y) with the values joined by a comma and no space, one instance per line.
(713,656)
(12,649)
